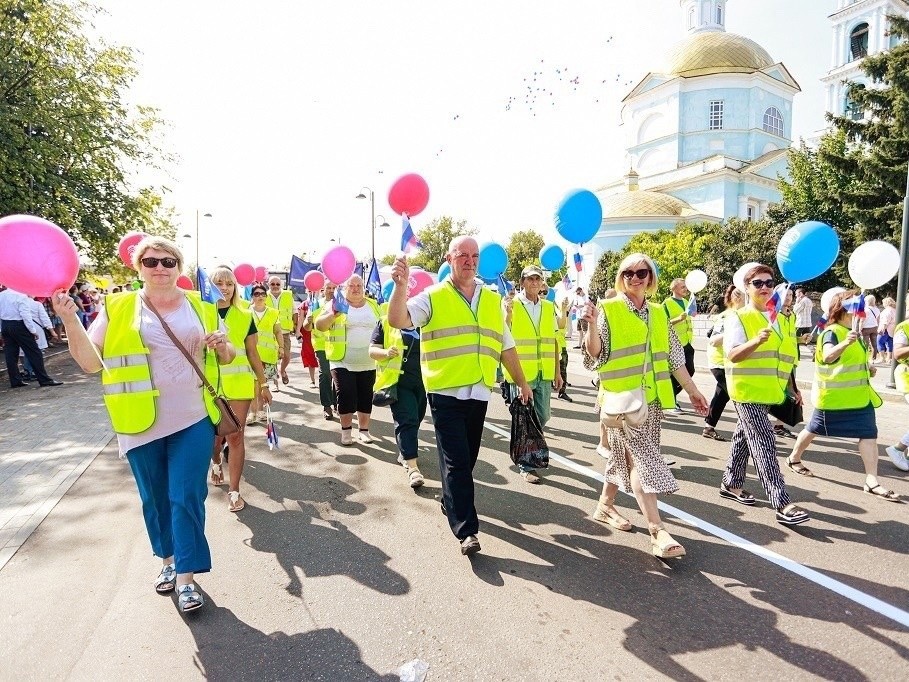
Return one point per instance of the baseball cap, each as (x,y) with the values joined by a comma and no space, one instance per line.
(531,270)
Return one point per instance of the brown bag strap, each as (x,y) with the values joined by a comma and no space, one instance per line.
(167,330)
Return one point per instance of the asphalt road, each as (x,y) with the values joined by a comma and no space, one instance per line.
(337,570)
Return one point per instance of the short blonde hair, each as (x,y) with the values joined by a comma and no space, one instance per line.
(159,244)
(222,273)
(888,302)
(631,260)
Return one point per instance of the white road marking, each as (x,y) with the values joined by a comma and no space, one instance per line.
(859,597)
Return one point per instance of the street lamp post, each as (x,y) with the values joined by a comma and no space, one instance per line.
(204,215)
(902,281)
(372,221)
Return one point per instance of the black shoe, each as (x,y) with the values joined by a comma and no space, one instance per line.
(565,396)
(18,385)
(470,545)
(52,382)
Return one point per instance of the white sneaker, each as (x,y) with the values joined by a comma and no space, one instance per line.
(346,437)
(251,418)
(898,458)
(364,437)
(677,410)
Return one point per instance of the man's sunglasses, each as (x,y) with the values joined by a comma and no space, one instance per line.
(758,283)
(641,273)
(167,262)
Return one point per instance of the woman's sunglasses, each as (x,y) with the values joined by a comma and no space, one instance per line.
(642,273)
(258,294)
(167,262)
(758,283)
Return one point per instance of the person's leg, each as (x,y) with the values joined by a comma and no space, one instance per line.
(237,444)
(762,444)
(326,388)
(285,361)
(452,419)
(11,354)
(345,385)
(149,464)
(720,399)
(405,414)
(27,366)
(30,348)
(662,543)
(365,381)
(867,448)
(734,473)
(794,460)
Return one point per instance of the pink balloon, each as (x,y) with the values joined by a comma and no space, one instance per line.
(36,256)
(338,264)
(185,282)
(419,280)
(261,273)
(245,274)
(127,246)
(408,194)
(313,281)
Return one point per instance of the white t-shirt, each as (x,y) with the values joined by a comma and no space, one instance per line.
(872,316)
(802,309)
(360,324)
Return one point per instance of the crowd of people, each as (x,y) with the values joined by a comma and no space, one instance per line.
(447,350)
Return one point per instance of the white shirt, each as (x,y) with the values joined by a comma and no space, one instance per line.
(872,315)
(533,309)
(360,324)
(802,309)
(420,311)
(16,306)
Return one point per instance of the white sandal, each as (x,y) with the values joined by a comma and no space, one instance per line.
(217,474)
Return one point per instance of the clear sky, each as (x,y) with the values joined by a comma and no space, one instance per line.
(281,110)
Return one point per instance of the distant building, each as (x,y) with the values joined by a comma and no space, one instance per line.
(707,134)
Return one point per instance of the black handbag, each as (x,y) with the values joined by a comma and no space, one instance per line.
(789,411)
(385,396)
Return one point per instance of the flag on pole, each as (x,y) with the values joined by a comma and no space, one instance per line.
(566,281)
(210,293)
(775,303)
(692,306)
(409,241)
(339,304)
(501,285)
(578,262)
(856,306)
(374,283)
(271,432)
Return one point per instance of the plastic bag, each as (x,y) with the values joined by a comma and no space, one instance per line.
(415,671)
(528,446)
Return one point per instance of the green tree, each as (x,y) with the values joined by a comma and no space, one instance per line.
(523,250)
(603,276)
(69,141)
(436,237)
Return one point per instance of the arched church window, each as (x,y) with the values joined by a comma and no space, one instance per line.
(773,122)
(858,41)
(851,109)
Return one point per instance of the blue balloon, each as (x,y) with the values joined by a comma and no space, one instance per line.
(387,288)
(552,257)
(444,271)
(807,250)
(579,216)
(550,295)
(493,260)
(489,280)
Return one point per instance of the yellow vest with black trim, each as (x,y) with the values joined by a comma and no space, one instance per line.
(285,309)
(844,384)
(389,371)
(684,329)
(624,369)
(237,379)
(129,393)
(457,347)
(902,368)
(336,336)
(267,344)
(536,348)
(789,348)
(763,377)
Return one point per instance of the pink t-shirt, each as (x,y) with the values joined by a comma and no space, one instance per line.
(179,403)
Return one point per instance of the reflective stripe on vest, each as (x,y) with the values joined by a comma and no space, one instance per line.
(285,308)
(762,378)
(336,336)
(457,347)
(684,329)
(388,372)
(844,384)
(237,378)
(624,369)
(536,348)
(715,353)
(267,343)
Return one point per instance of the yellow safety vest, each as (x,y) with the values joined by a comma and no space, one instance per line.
(129,393)
(458,347)
(285,309)
(318,338)
(389,371)
(789,348)
(267,344)
(624,370)
(844,384)
(763,377)
(536,347)
(237,379)
(902,368)
(336,336)
(715,353)
(685,329)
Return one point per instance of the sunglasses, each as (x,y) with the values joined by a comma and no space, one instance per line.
(642,273)
(759,283)
(167,262)
(258,294)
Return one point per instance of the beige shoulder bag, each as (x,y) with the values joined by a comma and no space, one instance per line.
(626,410)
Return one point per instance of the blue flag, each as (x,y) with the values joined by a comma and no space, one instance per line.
(339,304)
(374,283)
(209,291)
(409,241)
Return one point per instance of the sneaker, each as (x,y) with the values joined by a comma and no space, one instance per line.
(364,437)
(566,397)
(782,431)
(898,458)
(470,545)
(530,476)
(328,413)
(346,437)
(251,418)
(263,418)
(677,411)
(416,478)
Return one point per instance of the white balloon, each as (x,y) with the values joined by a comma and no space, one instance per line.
(696,280)
(828,296)
(873,264)
(739,277)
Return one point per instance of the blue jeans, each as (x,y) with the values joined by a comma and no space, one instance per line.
(171,476)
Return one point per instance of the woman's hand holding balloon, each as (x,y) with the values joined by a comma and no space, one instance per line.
(64,306)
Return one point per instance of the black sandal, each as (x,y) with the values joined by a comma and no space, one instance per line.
(884,494)
(800,468)
(742,497)
(710,432)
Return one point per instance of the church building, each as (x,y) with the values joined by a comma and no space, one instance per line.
(707,134)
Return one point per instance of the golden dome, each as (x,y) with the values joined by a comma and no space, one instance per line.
(641,203)
(710,52)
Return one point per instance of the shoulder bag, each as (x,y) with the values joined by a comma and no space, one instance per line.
(626,410)
(229,422)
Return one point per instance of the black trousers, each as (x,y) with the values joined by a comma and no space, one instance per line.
(459,430)
(720,398)
(15,336)
(689,365)
(408,412)
(326,389)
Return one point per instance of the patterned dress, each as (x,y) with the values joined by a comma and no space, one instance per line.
(642,445)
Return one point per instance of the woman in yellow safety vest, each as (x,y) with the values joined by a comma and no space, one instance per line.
(844,400)
(758,375)
(897,451)
(163,418)
(270,344)
(349,322)
(733,299)
(240,381)
(632,345)
(327,397)
(789,351)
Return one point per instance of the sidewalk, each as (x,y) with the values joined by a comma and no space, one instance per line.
(48,437)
